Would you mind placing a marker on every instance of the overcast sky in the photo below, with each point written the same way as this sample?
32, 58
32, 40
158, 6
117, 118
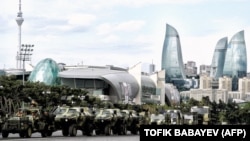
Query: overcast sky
119, 32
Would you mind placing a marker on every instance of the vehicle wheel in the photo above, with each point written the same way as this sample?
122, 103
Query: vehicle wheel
108, 130
72, 130
65, 132
5, 134
21, 134
44, 133
28, 132
134, 131
124, 130
97, 132
89, 131
49, 133
116, 131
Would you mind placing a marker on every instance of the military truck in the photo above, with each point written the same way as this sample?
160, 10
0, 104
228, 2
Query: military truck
72, 119
108, 121
59, 112
144, 118
174, 117
157, 119
201, 114
27, 121
2, 119
133, 120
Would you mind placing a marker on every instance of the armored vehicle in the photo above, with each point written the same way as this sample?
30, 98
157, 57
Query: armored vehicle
25, 122
174, 116
2, 119
201, 114
144, 118
108, 121
59, 113
157, 119
132, 118
76, 118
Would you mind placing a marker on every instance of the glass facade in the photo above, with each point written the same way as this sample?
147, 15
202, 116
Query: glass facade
219, 58
172, 61
45, 71
236, 59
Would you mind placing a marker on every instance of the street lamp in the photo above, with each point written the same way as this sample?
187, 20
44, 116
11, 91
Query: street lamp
25, 55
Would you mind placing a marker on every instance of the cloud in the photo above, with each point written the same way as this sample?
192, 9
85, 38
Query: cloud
141, 3
77, 19
103, 29
112, 31
110, 39
127, 26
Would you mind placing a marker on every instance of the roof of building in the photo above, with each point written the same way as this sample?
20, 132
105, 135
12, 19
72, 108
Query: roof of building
88, 72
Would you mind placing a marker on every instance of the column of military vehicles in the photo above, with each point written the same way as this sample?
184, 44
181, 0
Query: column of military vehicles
101, 121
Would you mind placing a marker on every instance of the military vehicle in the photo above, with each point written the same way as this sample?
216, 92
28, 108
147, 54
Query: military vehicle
189, 119
174, 116
157, 119
144, 118
59, 113
201, 114
108, 121
133, 120
27, 121
72, 119
2, 119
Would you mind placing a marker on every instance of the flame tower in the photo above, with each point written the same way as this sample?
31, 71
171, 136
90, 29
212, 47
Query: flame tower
19, 20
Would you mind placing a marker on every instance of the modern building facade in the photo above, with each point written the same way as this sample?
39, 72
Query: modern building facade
218, 61
236, 59
112, 83
117, 83
172, 61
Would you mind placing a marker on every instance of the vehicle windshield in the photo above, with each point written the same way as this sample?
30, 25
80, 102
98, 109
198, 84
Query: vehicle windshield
156, 117
173, 115
124, 113
72, 111
106, 112
62, 111
200, 110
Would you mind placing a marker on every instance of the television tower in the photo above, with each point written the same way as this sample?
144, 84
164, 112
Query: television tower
19, 20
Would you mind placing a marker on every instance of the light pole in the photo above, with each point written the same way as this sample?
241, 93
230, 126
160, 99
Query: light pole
25, 55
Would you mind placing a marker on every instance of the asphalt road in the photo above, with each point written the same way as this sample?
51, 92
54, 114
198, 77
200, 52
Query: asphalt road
57, 136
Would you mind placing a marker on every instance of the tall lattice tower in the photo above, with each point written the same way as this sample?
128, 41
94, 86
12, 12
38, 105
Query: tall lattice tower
19, 20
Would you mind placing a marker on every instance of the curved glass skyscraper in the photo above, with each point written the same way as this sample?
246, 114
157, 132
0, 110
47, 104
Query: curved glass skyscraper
219, 58
236, 59
172, 61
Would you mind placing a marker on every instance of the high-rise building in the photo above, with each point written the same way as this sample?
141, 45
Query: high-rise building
205, 82
225, 83
235, 65
244, 85
151, 68
190, 69
217, 64
172, 61
205, 69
